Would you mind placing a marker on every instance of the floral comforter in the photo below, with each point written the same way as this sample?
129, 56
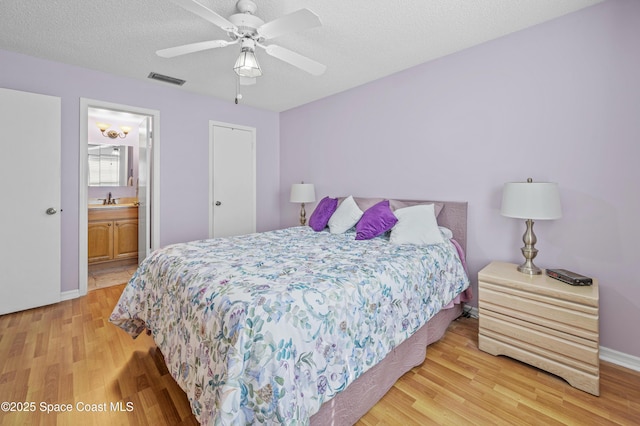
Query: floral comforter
264, 328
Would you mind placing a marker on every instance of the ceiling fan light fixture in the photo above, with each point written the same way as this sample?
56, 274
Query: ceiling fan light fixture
247, 64
250, 31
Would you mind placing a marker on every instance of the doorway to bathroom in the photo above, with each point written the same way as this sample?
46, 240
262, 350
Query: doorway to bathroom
119, 176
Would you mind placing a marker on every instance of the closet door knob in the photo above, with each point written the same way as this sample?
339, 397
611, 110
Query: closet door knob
51, 211
218, 203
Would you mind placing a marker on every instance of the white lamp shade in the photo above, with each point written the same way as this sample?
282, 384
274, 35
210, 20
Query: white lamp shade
302, 193
531, 200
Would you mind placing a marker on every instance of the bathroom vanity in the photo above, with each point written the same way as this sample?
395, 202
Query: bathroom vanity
113, 235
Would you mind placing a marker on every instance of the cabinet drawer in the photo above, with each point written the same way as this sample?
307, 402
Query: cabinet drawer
587, 379
562, 315
556, 345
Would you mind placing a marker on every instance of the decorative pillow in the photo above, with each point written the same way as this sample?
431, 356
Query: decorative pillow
363, 203
377, 220
321, 215
398, 204
447, 234
346, 215
416, 225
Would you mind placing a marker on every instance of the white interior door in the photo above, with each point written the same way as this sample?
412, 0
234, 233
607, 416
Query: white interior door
30, 179
233, 181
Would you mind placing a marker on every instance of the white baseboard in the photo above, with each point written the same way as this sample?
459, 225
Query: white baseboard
619, 358
68, 295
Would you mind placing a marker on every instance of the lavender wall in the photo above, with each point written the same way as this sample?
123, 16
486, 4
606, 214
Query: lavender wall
184, 140
556, 102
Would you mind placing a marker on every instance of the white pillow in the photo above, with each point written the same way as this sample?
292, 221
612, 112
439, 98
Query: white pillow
416, 225
447, 234
346, 215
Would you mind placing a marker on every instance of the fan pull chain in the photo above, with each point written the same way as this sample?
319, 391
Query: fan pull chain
238, 94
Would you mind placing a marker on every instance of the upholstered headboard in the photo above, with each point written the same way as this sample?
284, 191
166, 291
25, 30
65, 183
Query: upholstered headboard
453, 214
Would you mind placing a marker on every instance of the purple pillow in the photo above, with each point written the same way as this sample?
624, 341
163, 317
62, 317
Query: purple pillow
321, 215
375, 221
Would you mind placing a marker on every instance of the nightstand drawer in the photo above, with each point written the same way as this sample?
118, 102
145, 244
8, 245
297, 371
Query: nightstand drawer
587, 379
552, 313
561, 347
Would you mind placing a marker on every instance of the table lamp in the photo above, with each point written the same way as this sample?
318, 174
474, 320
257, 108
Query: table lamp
302, 193
531, 201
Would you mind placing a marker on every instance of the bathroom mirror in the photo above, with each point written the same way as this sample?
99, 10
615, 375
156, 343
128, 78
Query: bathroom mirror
110, 165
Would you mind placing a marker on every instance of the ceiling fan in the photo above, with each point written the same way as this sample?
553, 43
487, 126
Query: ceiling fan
249, 31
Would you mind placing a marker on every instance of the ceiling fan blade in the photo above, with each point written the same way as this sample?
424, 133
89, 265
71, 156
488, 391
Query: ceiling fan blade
296, 21
206, 13
295, 59
191, 48
247, 81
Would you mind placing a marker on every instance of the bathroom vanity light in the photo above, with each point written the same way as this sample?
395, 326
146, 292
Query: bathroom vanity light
113, 134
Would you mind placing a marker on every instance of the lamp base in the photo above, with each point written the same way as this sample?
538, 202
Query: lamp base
529, 251
529, 268
303, 215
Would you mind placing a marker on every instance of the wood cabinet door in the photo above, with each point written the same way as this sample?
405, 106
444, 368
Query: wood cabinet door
100, 241
125, 239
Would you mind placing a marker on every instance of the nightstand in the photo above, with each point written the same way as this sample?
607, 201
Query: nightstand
541, 321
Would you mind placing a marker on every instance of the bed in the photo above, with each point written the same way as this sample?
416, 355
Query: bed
295, 326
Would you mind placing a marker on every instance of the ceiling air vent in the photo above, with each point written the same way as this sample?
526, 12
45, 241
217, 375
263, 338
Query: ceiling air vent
166, 78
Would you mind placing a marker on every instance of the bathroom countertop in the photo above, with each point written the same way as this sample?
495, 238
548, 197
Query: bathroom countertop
110, 206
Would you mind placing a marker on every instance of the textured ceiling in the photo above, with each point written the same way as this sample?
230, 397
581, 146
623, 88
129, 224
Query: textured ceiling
359, 40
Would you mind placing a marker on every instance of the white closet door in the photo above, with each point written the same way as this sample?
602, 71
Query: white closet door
233, 181
30, 213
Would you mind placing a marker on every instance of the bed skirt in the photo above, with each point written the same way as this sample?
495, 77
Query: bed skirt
359, 397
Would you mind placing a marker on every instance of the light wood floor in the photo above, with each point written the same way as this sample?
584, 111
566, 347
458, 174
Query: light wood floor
69, 353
